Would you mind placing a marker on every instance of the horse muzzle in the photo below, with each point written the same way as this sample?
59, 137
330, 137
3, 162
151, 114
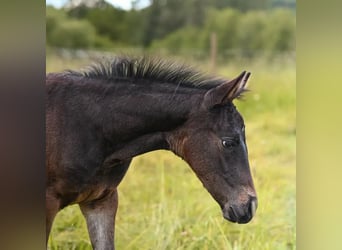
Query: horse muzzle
241, 213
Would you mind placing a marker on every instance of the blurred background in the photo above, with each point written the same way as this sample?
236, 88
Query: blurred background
162, 203
222, 30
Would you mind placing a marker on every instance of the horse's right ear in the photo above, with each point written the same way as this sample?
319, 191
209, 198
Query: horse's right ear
226, 92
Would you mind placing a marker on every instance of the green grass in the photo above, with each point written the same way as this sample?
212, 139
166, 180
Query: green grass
162, 204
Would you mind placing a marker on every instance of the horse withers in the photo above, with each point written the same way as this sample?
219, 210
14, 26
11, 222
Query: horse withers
99, 119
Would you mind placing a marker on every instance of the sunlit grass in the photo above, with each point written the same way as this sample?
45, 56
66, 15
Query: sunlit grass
162, 204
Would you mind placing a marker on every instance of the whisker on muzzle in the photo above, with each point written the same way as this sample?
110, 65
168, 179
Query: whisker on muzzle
253, 207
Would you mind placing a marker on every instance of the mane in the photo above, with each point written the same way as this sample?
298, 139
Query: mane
148, 69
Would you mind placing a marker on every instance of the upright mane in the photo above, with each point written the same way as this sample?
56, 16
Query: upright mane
150, 69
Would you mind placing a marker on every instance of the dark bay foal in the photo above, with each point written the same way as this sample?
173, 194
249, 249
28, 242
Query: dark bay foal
98, 120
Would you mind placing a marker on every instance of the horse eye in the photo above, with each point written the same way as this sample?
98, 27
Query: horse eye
227, 143
230, 142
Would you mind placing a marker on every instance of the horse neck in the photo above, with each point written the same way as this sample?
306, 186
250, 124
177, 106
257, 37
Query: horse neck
136, 117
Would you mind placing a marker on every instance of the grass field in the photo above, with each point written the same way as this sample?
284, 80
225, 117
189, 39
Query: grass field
162, 204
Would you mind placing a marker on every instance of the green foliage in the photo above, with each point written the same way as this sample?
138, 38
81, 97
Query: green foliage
73, 34
248, 5
251, 32
108, 22
62, 31
242, 28
225, 23
53, 18
179, 41
280, 31
247, 34
102, 42
290, 4
163, 18
78, 12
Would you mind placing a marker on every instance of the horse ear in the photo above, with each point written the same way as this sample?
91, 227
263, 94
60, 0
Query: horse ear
227, 91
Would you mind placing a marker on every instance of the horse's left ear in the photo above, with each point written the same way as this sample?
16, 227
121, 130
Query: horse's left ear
226, 92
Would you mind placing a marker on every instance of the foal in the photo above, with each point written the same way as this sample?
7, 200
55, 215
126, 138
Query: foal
98, 120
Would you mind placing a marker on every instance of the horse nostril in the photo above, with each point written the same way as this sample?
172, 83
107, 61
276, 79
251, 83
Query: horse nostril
232, 214
241, 212
253, 206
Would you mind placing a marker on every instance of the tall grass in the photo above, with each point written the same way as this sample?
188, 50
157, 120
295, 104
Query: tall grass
162, 205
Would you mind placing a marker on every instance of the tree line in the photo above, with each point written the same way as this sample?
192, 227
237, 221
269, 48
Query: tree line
178, 26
